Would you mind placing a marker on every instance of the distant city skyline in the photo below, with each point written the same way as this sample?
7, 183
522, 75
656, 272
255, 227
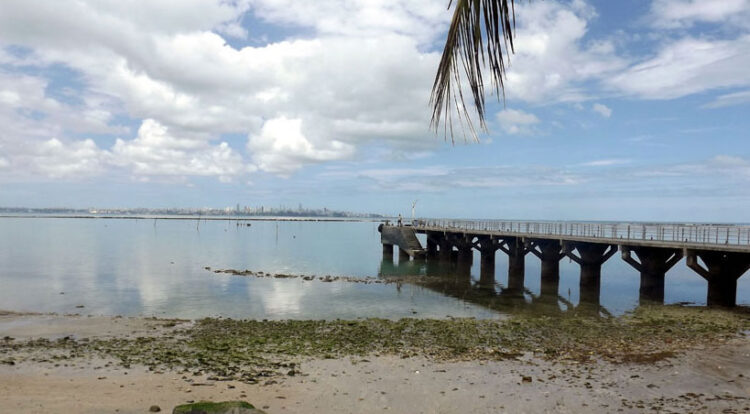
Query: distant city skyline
614, 110
222, 211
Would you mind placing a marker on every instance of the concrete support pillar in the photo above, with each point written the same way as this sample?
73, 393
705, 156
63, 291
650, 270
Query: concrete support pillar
549, 252
590, 257
446, 250
403, 256
432, 248
516, 251
722, 271
487, 247
653, 263
387, 251
465, 246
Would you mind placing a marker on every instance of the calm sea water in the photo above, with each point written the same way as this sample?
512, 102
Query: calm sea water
157, 267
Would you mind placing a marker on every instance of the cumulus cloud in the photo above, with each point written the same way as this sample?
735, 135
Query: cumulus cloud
57, 159
281, 147
363, 76
602, 110
31, 141
156, 152
514, 121
360, 73
552, 60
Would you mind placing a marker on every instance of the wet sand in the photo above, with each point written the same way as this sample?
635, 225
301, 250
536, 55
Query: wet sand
713, 379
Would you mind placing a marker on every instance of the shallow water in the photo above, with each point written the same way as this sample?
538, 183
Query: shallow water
157, 267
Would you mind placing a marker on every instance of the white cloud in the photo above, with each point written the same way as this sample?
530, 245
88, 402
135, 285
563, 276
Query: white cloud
441, 178
423, 20
729, 99
359, 79
514, 121
361, 74
281, 147
685, 13
55, 159
602, 110
605, 162
156, 152
552, 61
728, 167
688, 66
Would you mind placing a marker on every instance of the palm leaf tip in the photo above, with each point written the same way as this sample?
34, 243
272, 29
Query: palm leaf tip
480, 35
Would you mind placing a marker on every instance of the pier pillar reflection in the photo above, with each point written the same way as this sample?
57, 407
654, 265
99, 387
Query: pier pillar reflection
722, 271
653, 264
590, 256
487, 269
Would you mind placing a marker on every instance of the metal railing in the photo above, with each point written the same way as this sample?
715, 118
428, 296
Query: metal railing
704, 234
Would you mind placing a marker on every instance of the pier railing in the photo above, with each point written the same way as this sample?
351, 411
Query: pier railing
703, 234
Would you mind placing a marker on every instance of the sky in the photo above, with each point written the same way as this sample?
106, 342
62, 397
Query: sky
613, 110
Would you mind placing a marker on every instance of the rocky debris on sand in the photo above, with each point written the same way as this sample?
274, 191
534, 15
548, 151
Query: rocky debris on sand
154, 409
326, 278
226, 407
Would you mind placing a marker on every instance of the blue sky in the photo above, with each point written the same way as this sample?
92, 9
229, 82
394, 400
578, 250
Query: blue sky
631, 110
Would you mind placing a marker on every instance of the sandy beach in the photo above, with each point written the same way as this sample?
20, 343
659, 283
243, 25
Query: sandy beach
702, 379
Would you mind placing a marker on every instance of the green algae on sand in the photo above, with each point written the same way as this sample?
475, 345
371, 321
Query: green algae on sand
253, 351
226, 407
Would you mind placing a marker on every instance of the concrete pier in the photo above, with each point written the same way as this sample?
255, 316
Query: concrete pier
718, 253
722, 271
653, 264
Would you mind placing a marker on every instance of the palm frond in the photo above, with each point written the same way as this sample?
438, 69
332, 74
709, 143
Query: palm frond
474, 24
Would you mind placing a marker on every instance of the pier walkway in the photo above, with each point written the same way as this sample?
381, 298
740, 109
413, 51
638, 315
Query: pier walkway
719, 253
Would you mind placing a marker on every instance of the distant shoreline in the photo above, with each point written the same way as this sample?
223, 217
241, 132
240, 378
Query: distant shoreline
206, 218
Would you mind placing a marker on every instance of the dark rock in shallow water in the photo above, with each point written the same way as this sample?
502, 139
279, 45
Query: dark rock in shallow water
227, 407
